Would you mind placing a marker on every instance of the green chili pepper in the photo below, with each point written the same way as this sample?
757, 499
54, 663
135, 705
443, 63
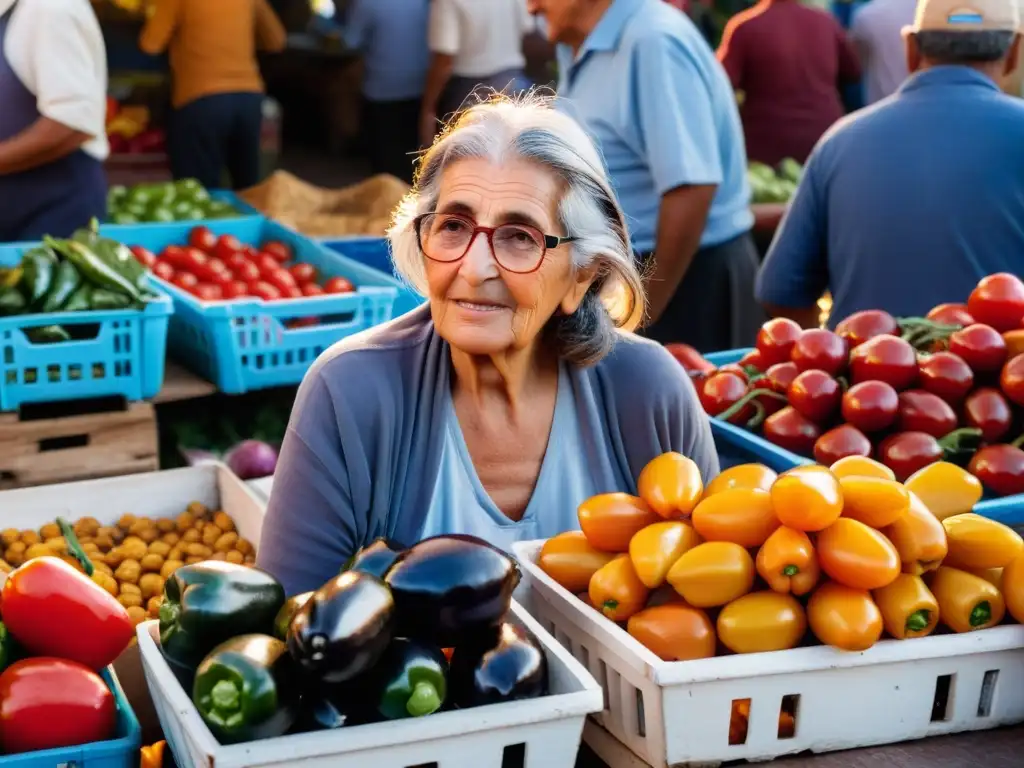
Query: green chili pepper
93, 268
12, 302
38, 266
104, 299
66, 281
47, 334
9, 650
80, 300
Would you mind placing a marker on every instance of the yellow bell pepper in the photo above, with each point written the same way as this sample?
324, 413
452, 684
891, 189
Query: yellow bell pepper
966, 602
874, 501
713, 574
787, 562
124, 126
616, 590
919, 538
671, 485
993, 576
945, 489
844, 618
10, 277
908, 607
861, 466
1013, 587
762, 622
977, 542
655, 549
153, 755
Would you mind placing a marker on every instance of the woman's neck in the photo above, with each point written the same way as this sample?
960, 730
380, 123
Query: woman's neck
512, 376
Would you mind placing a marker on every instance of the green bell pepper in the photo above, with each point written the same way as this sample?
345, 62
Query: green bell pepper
102, 298
66, 281
38, 266
411, 680
12, 301
80, 300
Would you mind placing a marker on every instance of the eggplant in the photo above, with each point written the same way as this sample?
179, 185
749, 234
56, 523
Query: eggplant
344, 628
411, 680
513, 667
376, 558
450, 589
284, 616
319, 713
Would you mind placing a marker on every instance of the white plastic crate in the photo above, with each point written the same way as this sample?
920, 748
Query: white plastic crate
547, 729
678, 713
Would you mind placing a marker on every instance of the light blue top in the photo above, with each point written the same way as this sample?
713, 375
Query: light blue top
462, 505
392, 37
908, 203
659, 105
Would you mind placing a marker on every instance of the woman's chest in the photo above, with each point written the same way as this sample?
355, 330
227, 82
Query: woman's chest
508, 464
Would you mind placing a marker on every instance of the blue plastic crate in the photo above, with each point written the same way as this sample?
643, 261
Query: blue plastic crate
122, 751
737, 445
125, 357
375, 252
243, 345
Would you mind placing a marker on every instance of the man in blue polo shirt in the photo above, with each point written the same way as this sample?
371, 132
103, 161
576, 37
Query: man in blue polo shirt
908, 203
647, 87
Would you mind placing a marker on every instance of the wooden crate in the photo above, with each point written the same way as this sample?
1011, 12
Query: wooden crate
77, 447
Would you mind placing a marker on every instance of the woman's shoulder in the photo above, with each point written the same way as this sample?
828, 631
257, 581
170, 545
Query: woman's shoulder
643, 370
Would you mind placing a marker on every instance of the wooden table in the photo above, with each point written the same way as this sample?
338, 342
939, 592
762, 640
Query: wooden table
181, 384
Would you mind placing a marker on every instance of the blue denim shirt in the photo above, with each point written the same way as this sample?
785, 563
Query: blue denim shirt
392, 37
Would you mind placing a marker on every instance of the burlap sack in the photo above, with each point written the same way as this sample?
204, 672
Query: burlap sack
361, 209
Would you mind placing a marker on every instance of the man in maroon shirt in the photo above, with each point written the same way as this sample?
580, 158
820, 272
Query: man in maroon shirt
789, 62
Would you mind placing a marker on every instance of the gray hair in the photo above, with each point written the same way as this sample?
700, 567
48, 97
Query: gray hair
981, 47
530, 128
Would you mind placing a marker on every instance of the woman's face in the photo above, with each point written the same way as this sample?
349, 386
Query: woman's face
477, 306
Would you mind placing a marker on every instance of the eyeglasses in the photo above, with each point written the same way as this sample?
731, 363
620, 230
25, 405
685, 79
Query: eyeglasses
520, 248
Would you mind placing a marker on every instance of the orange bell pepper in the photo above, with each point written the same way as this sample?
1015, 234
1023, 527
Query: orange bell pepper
616, 590
1014, 343
743, 516
655, 549
844, 618
873, 500
742, 476
674, 632
671, 485
908, 607
569, 559
712, 574
610, 520
919, 538
1013, 587
945, 489
807, 498
153, 755
762, 622
857, 555
787, 562
861, 466
993, 576
966, 602
977, 542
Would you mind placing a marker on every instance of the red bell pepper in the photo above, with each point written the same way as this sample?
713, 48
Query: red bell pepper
54, 610
46, 703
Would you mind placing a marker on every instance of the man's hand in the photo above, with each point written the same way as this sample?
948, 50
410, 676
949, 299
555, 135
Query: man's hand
42, 142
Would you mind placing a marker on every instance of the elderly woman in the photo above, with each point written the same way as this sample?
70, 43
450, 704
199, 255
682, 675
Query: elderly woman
515, 394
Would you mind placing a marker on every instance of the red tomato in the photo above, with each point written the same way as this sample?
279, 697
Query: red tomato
303, 322
685, 355
870, 406
172, 254
163, 270
951, 314
267, 264
143, 256
885, 358
998, 300
339, 285
821, 349
202, 238
1000, 468
776, 339
185, 280
236, 260
1011, 380
721, 391
235, 289
303, 273
207, 292
815, 395
225, 246
845, 440
280, 251
788, 429
906, 452
193, 260
780, 376
734, 368
282, 280
922, 411
980, 346
986, 409
311, 289
247, 272
265, 291
861, 326
753, 359
946, 375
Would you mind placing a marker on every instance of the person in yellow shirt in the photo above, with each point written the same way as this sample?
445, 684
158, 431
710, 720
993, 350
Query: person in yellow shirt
216, 88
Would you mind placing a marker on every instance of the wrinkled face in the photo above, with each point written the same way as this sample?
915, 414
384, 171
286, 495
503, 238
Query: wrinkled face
561, 18
478, 306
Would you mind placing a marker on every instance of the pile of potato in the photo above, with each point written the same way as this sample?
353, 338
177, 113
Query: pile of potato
133, 557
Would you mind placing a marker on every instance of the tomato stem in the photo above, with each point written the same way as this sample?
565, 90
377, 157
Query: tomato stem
790, 570
981, 614
965, 439
759, 414
742, 403
75, 546
918, 620
610, 605
1018, 443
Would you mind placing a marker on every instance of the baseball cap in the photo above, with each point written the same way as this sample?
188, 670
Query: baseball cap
969, 16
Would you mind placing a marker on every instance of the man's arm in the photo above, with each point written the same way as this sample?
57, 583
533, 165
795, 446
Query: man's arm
443, 37
270, 33
42, 142
681, 217
159, 29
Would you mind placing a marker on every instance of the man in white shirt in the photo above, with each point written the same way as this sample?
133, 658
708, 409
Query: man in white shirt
473, 44
876, 31
53, 90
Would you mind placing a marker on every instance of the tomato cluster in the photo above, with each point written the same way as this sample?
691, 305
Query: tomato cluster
214, 268
909, 391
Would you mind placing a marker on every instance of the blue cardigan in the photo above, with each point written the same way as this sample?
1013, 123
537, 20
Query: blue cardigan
363, 448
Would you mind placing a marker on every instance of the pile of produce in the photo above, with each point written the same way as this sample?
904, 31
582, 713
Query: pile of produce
59, 630
133, 558
771, 185
758, 562
85, 272
908, 391
214, 268
183, 200
396, 634
129, 130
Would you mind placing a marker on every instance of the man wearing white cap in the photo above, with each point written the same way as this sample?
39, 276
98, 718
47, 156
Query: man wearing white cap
908, 203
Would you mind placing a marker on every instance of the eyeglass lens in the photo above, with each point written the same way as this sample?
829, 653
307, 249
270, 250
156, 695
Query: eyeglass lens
445, 237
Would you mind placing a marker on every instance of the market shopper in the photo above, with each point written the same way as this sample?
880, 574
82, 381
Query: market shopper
787, 63
877, 32
648, 89
907, 204
514, 394
216, 87
476, 46
53, 95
